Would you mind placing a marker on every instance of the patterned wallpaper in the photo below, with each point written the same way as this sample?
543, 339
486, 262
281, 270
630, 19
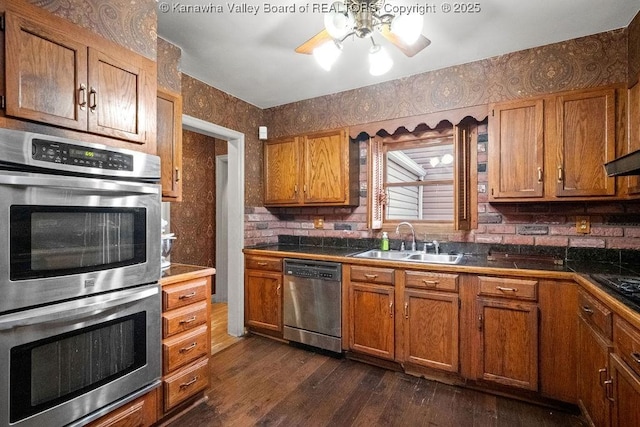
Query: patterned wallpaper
194, 218
210, 104
590, 61
634, 49
129, 23
169, 75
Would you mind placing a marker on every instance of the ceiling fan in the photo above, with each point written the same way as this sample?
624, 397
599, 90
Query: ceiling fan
364, 18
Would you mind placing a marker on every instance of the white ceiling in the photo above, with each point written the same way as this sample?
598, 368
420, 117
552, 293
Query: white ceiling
251, 56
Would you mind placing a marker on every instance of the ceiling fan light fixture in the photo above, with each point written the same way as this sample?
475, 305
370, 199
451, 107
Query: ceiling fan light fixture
379, 60
327, 54
407, 27
338, 22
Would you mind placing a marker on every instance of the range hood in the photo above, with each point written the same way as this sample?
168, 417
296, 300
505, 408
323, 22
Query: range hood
626, 165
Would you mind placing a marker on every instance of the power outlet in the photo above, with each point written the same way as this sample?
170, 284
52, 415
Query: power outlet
583, 225
318, 223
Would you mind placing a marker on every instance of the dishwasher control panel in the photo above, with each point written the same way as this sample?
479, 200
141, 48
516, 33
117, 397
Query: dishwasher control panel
330, 271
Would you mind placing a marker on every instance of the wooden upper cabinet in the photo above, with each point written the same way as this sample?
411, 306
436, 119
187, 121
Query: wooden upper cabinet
319, 169
63, 75
282, 172
116, 89
170, 144
46, 74
516, 153
585, 141
326, 159
553, 147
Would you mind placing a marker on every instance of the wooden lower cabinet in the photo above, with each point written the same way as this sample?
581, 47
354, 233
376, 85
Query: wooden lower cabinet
624, 393
371, 323
431, 326
593, 356
140, 412
508, 342
186, 340
263, 300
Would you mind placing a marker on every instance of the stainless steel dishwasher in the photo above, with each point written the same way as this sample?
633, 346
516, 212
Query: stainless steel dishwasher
313, 303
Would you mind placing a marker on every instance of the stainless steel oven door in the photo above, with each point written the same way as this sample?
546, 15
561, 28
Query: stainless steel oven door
62, 362
71, 236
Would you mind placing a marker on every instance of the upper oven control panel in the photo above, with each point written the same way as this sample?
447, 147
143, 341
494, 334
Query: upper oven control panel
68, 154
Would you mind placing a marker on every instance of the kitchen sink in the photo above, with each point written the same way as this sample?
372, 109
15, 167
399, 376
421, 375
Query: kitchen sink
378, 254
436, 258
410, 256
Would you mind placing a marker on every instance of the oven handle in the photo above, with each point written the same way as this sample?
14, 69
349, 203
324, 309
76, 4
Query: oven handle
67, 183
72, 311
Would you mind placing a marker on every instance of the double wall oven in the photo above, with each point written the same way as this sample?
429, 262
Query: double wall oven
79, 269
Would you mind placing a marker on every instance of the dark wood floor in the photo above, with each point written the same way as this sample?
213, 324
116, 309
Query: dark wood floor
265, 383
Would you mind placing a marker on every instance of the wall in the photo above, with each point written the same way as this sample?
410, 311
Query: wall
590, 61
634, 49
132, 24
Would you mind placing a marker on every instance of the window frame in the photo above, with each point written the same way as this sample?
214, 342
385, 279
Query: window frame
464, 178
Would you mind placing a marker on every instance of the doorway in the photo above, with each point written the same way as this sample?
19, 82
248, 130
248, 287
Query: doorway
231, 269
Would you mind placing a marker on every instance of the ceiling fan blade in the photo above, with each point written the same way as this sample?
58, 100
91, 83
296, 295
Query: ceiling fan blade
409, 50
315, 41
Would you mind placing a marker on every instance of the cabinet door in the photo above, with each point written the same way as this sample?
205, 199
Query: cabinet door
371, 319
169, 144
282, 172
117, 95
593, 354
431, 329
509, 342
625, 394
516, 150
263, 300
326, 171
586, 140
46, 74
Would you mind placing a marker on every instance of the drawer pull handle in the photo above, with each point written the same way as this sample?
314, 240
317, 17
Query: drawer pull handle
189, 320
602, 371
262, 264
608, 389
187, 296
636, 357
188, 383
430, 282
370, 276
503, 289
188, 348
587, 309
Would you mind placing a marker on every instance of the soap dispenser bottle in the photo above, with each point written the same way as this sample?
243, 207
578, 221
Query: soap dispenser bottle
384, 243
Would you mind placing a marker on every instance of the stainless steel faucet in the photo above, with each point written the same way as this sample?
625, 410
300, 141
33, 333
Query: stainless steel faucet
413, 235
435, 244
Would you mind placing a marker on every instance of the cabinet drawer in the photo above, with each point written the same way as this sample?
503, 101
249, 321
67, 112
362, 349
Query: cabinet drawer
372, 275
184, 318
509, 288
595, 313
184, 348
626, 339
263, 263
426, 280
184, 293
185, 383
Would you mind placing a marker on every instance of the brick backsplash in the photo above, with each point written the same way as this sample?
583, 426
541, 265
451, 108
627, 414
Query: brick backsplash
614, 225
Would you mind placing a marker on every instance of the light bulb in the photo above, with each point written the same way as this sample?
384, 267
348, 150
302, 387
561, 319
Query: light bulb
434, 162
327, 54
337, 22
379, 61
407, 27
447, 159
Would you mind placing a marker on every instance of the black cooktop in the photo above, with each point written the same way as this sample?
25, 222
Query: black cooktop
627, 286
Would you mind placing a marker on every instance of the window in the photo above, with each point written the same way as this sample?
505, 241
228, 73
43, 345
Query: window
422, 177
